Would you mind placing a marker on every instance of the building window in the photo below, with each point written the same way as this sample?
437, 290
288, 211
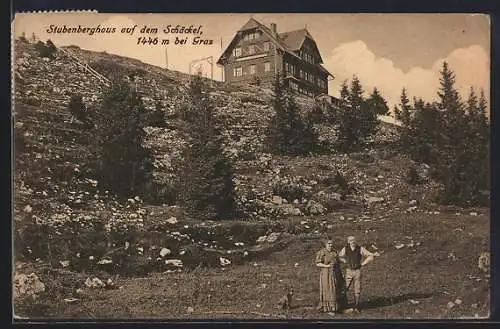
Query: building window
252, 69
251, 36
267, 46
237, 52
267, 66
238, 72
251, 49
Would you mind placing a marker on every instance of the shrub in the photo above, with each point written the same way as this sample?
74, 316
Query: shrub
78, 110
412, 176
290, 192
46, 49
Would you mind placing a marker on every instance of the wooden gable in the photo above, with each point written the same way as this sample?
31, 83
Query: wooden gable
309, 44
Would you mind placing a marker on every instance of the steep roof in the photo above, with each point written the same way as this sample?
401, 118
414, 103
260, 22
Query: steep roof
294, 39
288, 42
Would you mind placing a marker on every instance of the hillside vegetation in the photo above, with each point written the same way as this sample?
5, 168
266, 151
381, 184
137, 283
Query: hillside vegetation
98, 254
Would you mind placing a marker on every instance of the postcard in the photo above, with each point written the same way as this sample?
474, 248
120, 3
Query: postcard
250, 166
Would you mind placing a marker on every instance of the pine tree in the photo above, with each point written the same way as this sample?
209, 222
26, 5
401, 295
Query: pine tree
371, 108
423, 132
482, 117
287, 133
404, 115
347, 137
206, 187
459, 163
377, 103
124, 165
476, 150
358, 117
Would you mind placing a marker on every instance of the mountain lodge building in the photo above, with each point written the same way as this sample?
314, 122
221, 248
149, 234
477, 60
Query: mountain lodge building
258, 52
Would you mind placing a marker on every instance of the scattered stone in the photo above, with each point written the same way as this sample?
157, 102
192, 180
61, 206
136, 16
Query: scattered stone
224, 261
414, 302
27, 285
273, 237
413, 202
277, 200
174, 262
105, 261
473, 213
373, 200
315, 208
28, 209
190, 309
64, 263
94, 283
399, 246
164, 252
262, 239
172, 220
458, 301
411, 209
450, 305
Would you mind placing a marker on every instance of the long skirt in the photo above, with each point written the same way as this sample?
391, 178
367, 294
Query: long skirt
327, 290
340, 287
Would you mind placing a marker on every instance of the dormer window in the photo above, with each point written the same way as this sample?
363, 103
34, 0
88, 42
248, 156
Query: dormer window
267, 46
251, 49
237, 52
251, 36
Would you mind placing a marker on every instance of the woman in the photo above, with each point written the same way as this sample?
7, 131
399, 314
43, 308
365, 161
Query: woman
326, 259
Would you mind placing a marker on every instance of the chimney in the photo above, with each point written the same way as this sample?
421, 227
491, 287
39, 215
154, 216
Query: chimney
274, 29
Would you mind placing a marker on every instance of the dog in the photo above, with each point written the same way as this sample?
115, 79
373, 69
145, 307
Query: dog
484, 261
285, 302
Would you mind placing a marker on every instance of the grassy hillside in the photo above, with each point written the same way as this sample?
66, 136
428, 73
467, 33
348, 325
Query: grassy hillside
68, 231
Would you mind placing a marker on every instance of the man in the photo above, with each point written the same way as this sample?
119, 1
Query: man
352, 255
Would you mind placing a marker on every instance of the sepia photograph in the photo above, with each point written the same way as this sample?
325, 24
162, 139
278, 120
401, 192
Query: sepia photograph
270, 166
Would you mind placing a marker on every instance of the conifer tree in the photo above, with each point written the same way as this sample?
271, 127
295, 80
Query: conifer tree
460, 165
358, 116
404, 115
377, 103
124, 165
287, 133
206, 187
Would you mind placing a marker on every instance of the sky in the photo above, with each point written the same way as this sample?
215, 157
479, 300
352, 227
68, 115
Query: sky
387, 51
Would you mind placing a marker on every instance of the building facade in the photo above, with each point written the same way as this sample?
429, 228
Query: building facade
258, 52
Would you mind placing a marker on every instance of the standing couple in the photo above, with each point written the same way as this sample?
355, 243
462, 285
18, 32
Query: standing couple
333, 288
